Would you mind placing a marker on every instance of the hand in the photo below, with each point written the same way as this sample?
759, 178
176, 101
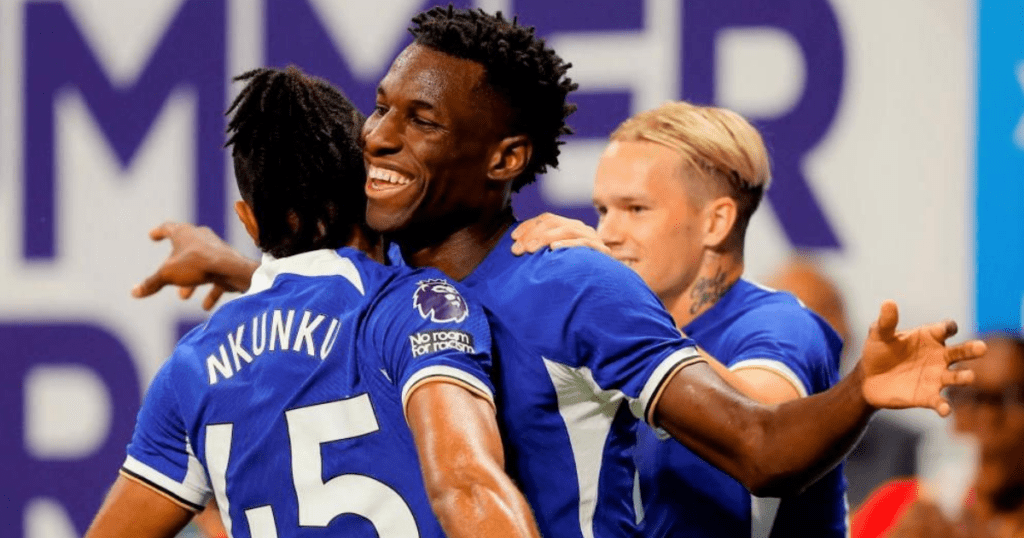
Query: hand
923, 519
197, 257
550, 230
910, 368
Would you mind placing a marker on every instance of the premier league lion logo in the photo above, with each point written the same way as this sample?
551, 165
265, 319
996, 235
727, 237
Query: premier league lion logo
439, 300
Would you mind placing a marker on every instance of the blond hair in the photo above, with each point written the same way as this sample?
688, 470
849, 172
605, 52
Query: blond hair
719, 142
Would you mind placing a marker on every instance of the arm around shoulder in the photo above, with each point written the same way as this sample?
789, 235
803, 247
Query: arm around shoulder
461, 455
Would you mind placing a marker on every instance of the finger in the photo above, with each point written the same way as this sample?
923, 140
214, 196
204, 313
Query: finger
957, 377
581, 242
967, 350
186, 291
527, 225
163, 231
941, 406
149, 286
888, 318
212, 297
943, 330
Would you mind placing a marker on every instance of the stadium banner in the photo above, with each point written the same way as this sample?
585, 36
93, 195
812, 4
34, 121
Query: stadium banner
111, 121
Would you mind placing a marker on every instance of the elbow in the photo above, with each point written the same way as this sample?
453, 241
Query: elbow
764, 473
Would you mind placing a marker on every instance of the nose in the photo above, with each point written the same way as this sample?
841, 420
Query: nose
381, 135
609, 228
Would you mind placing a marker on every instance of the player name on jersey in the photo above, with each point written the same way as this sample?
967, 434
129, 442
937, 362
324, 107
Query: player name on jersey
284, 334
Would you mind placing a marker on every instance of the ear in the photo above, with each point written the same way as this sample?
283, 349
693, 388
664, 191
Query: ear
510, 158
719, 218
248, 219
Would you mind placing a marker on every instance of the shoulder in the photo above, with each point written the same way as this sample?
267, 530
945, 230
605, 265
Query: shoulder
579, 270
768, 311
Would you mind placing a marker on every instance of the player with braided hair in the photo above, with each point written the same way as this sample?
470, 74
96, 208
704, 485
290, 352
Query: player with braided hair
583, 347
307, 407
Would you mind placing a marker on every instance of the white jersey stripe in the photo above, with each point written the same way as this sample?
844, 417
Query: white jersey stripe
588, 412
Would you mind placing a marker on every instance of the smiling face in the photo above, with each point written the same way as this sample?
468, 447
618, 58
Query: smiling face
648, 218
429, 142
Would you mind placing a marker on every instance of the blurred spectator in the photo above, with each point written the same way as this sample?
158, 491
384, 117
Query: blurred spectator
990, 504
887, 449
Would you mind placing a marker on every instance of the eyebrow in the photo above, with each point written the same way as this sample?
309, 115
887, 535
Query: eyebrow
625, 200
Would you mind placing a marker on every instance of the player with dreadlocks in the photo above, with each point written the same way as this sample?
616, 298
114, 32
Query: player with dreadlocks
306, 407
468, 112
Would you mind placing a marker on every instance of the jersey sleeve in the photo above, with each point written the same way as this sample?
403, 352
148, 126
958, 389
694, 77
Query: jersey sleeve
160, 454
795, 345
425, 331
605, 323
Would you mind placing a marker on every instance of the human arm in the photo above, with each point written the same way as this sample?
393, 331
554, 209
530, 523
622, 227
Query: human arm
460, 453
197, 257
134, 510
764, 386
779, 450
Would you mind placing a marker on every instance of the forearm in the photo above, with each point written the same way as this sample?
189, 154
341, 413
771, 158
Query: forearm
483, 506
462, 460
772, 450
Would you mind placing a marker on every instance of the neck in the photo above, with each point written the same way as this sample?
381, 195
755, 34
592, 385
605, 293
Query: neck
459, 252
369, 242
717, 274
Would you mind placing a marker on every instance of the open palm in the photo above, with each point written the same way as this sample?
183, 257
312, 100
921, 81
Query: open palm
910, 368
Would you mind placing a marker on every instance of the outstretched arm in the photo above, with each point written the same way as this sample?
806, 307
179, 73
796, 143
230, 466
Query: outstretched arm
133, 510
461, 455
779, 450
197, 257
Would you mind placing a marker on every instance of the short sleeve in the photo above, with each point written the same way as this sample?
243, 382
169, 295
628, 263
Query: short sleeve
425, 330
795, 345
601, 320
160, 454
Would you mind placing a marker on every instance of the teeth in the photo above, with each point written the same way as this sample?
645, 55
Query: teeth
383, 174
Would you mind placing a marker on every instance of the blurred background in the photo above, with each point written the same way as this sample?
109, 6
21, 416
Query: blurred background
895, 130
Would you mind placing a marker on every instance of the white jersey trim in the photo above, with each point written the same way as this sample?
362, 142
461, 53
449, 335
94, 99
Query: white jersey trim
460, 376
194, 489
587, 411
641, 406
776, 367
323, 262
763, 511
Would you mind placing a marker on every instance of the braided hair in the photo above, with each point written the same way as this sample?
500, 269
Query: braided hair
519, 67
297, 160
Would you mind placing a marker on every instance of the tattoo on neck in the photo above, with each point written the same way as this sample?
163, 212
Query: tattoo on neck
707, 291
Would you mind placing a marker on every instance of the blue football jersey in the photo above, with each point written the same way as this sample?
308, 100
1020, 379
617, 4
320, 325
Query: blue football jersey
582, 349
287, 405
683, 496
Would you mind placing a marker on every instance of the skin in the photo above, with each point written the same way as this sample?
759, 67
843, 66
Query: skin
771, 450
997, 426
660, 217
455, 432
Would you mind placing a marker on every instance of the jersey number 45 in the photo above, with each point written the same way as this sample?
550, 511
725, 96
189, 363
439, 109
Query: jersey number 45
319, 502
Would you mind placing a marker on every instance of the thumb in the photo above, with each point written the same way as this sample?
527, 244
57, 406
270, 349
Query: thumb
888, 318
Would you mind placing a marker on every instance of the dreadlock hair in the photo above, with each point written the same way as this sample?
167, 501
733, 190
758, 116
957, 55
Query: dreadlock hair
294, 141
526, 73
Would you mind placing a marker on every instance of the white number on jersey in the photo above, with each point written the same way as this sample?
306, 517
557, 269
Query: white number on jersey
319, 502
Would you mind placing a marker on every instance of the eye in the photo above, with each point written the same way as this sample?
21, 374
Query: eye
601, 210
379, 109
636, 209
423, 122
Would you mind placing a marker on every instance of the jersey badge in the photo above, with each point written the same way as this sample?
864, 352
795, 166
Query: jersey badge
439, 301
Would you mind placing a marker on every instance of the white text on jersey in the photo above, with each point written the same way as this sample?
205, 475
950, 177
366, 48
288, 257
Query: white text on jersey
284, 335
